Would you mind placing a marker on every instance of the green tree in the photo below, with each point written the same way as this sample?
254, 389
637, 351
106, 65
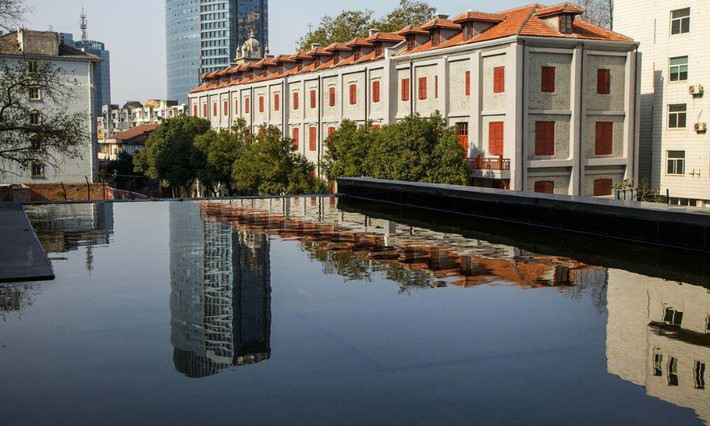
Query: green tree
416, 149
122, 170
268, 166
170, 152
221, 149
409, 12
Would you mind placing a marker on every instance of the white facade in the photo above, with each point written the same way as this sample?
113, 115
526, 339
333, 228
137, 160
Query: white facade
114, 120
673, 36
570, 167
79, 70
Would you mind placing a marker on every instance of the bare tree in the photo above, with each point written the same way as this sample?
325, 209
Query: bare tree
12, 14
597, 12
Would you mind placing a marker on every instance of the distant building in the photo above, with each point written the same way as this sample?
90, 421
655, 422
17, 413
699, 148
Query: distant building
201, 36
131, 142
114, 119
675, 111
103, 69
75, 66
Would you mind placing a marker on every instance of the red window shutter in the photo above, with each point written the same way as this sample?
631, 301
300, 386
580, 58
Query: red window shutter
405, 89
204, 110
545, 186
277, 102
194, 110
246, 106
436, 87
604, 138
236, 107
214, 109
294, 136
312, 138
547, 80
331, 130
375, 91
603, 81
331, 96
226, 108
495, 138
353, 94
462, 133
295, 100
422, 88
313, 99
602, 187
498, 79
544, 138
261, 104
468, 83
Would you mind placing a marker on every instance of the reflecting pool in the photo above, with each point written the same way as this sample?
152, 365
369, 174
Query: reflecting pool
293, 311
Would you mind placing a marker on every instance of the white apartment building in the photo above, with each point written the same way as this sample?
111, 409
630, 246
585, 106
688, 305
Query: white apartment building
115, 119
79, 69
675, 145
541, 100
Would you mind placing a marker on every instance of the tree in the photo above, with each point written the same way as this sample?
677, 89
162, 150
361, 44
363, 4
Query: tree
268, 166
221, 149
29, 134
416, 149
170, 152
598, 12
122, 170
356, 23
12, 14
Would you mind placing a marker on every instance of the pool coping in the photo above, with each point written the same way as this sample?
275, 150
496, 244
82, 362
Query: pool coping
22, 257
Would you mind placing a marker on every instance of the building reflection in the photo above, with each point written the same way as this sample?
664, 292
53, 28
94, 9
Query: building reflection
220, 299
658, 336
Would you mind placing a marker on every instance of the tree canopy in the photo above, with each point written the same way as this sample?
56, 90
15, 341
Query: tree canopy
356, 23
416, 149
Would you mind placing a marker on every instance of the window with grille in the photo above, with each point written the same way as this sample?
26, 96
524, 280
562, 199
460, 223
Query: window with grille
680, 21
544, 138
673, 317
673, 372
436, 37
547, 80
677, 115
422, 88
498, 79
676, 163
495, 138
35, 94
603, 81
462, 134
604, 138
545, 186
35, 118
658, 365
405, 89
566, 24
37, 170
679, 68
468, 31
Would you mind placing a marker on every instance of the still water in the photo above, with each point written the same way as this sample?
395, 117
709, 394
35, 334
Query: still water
291, 311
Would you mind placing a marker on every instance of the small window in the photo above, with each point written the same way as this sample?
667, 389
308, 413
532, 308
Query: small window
331, 96
603, 81
247, 105
313, 99
676, 163
673, 317
544, 138
679, 68
194, 110
673, 372
226, 108
312, 138
405, 89
236, 106
604, 138
436, 87
547, 80
436, 37
699, 373
602, 187
495, 138
462, 134
294, 136
204, 110
295, 100
353, 94
33, 66
545, 187
331, 130
375, 91
467, 84
658, 365
411, 42
566, 23
468, 31
214, 109
277, 101
37, 170
35, 118
35, 94
677, 114
261, 104
498, 79
422, 88
680, 21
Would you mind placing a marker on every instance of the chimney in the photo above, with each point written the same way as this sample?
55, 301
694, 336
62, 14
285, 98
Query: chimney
315, 45
441, 16
373, 31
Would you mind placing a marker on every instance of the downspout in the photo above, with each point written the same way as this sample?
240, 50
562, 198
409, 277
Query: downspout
411, 87
637, 115
526, 120
582, 123
251, 108
367, 93
320, 123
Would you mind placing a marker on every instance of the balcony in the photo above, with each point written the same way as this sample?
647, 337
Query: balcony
494, 163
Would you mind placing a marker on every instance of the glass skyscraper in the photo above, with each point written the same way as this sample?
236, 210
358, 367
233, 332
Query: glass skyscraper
203, 35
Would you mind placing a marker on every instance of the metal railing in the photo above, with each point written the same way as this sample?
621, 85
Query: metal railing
493, 163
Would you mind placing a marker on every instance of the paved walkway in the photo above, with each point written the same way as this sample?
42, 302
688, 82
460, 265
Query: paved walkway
22, 257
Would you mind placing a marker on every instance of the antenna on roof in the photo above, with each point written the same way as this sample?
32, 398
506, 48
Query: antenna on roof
84, 25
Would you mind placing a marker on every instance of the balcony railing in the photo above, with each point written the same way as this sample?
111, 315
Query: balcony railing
493, 163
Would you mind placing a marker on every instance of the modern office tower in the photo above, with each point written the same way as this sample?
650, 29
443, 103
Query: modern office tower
103, 68
220, 301
203, 36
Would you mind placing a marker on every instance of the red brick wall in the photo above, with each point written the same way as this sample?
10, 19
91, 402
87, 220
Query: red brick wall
75, 192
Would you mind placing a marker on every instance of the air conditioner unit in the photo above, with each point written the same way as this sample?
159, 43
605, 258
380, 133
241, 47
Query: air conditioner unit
696, 90
701, 127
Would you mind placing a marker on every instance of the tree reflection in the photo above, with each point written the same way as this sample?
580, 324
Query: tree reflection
16, 297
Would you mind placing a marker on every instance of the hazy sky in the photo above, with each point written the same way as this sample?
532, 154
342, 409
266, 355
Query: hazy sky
134, 31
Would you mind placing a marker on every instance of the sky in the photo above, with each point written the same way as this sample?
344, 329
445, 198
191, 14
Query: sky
134, 31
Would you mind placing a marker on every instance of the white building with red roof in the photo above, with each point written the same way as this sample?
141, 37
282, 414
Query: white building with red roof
541, 100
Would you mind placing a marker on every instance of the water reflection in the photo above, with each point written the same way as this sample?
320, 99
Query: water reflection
220, 299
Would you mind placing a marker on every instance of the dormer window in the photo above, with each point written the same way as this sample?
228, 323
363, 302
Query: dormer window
436, 37
411, 42
336, 58
468, 31
566, 23
300, 65
317, 61
379, 49
356, 53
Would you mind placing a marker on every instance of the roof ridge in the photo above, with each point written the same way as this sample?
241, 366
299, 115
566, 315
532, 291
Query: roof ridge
531, 13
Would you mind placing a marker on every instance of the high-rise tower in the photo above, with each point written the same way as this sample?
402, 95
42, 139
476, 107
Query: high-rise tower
203, 35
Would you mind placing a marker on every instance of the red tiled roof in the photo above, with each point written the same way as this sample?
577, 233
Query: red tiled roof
338, 47
319, 51
559, 8
385, 37
441, 23
359, 41
134, 132
412, 29
479, 16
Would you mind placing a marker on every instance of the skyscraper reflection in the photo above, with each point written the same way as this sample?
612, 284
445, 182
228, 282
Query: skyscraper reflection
220, 299
658, 336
